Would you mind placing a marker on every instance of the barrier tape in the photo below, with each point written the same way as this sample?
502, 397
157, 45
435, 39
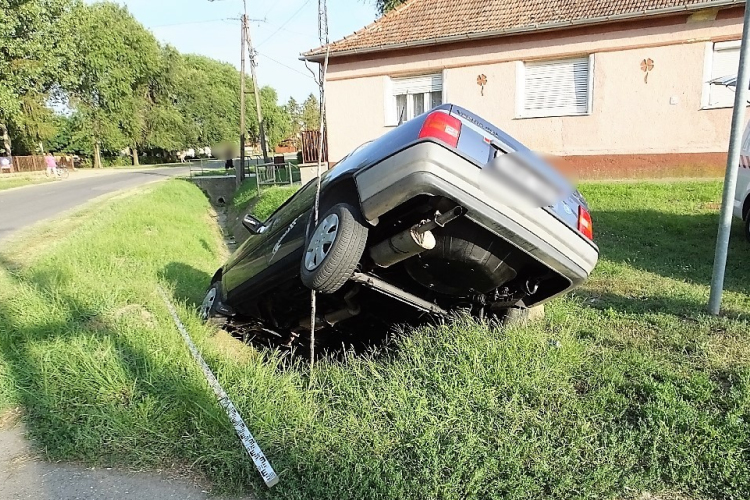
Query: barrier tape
247, 439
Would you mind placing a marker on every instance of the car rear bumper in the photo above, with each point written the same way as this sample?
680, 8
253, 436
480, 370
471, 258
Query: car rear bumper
429, 168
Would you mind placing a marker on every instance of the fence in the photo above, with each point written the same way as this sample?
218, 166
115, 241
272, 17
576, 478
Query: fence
35, 163
310, 146
273, 174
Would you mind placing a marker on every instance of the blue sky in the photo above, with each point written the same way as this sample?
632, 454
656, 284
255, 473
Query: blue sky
290, 27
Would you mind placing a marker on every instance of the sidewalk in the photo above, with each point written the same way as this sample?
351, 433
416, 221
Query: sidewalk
25, 475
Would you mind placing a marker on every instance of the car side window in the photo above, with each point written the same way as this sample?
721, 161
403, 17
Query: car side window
294, 206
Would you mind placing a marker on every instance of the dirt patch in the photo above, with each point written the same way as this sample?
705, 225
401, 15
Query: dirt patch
137, 312
231, 347
9, 418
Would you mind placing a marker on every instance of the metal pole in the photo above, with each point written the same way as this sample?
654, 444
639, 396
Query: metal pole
243, 129
257, 177
261, 126
730, 178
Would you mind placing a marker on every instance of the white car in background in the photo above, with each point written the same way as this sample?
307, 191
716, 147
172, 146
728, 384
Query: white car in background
742, 191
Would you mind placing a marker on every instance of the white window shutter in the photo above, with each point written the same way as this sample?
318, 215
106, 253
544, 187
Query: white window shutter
725, 62
416, 87
557, 88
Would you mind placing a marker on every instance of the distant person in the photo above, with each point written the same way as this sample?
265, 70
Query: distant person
49, 160
229, 164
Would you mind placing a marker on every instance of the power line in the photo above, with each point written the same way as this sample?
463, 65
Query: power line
284, 23
195, 22
286, 66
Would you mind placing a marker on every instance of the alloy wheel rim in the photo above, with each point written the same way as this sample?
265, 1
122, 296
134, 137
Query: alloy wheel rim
208, 303
321, 242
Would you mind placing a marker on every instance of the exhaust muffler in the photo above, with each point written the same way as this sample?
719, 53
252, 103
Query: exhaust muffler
400, 247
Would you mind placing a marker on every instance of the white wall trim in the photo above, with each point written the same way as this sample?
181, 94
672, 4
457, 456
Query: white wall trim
520, 88
708, 58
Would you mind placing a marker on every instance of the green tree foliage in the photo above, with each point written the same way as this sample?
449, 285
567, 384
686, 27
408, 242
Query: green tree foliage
277, 122
311, 113
294, 111
385, 6
116, 60
123, 89
208, 96
35, 45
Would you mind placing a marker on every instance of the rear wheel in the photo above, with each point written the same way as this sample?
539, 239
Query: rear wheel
747, 227
334, 249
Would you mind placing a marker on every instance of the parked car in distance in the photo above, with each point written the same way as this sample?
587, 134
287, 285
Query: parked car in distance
742, 190
444, 213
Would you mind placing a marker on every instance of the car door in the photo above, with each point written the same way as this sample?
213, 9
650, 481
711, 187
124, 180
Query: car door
274, 255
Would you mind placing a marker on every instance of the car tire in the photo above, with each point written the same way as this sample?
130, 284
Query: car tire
208, 310
747, 227
334, 249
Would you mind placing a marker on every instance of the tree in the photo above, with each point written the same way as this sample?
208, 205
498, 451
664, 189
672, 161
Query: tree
387, 5
278, 123
208, 96
159, 124
294, 111
311, 113
34, 46
116, 58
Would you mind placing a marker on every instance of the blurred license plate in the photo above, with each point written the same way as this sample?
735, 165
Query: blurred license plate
508, 175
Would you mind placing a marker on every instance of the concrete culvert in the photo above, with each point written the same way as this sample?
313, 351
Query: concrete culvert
221, 200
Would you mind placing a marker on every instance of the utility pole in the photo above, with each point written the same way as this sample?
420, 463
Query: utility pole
256, 91
730, 178
243, 127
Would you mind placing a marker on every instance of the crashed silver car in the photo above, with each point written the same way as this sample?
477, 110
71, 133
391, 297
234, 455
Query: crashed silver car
444, 213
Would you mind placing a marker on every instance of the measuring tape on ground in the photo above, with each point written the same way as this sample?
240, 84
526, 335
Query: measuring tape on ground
248, 441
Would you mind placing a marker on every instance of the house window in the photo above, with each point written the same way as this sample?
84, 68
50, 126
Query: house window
722, 59
554, 88
410, 97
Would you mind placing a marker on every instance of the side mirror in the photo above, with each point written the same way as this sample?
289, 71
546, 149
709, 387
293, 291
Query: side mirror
252, 224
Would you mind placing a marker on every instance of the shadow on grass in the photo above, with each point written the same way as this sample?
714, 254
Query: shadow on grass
672, 245
189, 284
91, 388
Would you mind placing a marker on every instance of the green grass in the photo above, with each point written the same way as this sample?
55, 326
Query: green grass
270, 199
246, 198
14, 181
626, 386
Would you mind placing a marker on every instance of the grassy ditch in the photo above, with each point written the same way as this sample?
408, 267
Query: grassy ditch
626, 386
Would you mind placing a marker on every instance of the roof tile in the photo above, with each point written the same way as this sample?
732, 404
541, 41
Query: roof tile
432, 21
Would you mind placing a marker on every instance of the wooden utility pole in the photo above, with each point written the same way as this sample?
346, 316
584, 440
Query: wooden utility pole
256, 91
243, 127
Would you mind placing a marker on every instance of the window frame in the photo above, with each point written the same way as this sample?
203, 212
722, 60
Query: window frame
522, 113
391, 107
708, 67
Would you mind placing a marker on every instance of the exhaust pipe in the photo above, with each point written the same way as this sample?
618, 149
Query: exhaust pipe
400, 247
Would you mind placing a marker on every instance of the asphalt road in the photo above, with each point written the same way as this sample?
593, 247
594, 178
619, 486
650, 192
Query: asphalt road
25, 206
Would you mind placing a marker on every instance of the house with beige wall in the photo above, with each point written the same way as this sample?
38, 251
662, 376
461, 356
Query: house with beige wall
616, 85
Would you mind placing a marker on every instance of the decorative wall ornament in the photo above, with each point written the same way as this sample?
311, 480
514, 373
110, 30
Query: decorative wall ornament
482, 81
646, 66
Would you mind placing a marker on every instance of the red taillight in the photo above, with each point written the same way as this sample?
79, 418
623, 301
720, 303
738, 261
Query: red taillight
442, 126
585, 225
